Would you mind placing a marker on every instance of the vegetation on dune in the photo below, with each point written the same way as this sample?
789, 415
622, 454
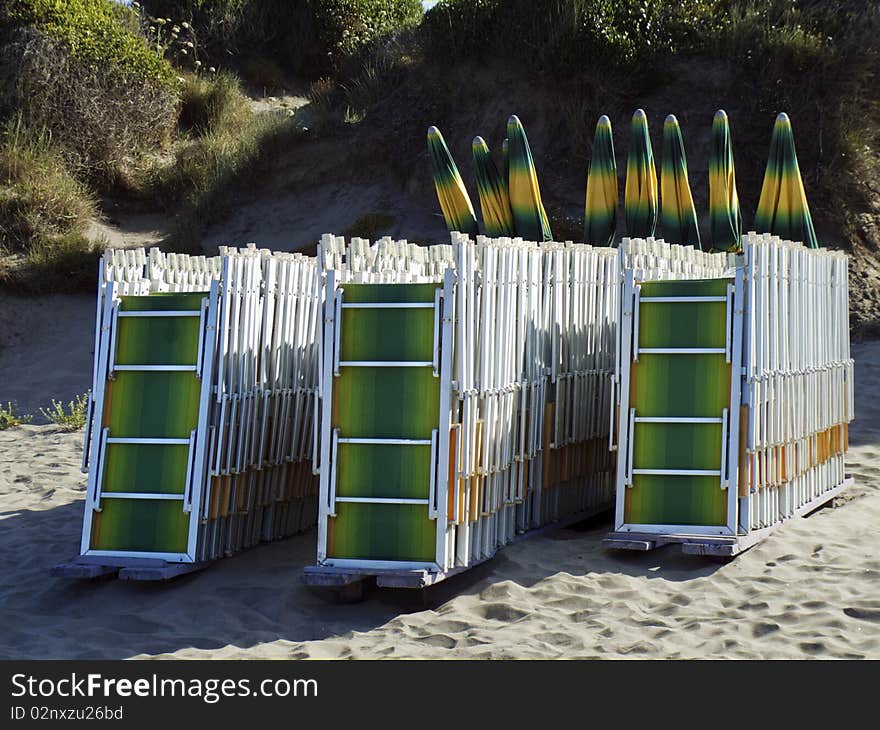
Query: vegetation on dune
129, 101
83, 71
123, 100
95, 32
44, 212
71, 417
39, 199
310, 37
222, 145
9, 418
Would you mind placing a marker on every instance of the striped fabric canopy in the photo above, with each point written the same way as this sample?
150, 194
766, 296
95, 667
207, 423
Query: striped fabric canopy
640, 193
600, 209
529, 216
783, 209
725, 218
505, 162
451, 192
494, 199
678, 217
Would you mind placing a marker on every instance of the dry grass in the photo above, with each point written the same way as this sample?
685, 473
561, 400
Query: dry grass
223, 143
100, 123
44, 211
40, 200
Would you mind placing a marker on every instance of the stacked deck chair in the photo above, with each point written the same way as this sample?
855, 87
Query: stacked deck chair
465, 399
199, 438
734, 392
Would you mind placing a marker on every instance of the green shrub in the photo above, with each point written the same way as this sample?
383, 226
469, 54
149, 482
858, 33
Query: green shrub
564, 36
80, 70
9, 418
69, 418
308, 36
96, 33
210, 102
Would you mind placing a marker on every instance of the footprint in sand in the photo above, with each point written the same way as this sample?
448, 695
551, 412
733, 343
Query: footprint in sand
501, 612
865, 614
441, 641
812, 647
763, 629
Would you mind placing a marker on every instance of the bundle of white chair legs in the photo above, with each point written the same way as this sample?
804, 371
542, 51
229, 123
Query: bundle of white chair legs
653, 258
522, 435
534, 356
201, 420
799, 376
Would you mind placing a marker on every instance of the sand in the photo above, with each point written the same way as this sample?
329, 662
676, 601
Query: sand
810, 590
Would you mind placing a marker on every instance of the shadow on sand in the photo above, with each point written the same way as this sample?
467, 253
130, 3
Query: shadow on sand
254, 597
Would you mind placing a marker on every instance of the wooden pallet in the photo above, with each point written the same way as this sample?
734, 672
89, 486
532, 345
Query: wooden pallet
349, 582
720, 546
89, 567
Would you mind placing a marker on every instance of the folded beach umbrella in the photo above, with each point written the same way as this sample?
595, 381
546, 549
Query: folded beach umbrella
678, 217
505, 163
600, 210
782, 209
725, 218
529, 217
451, 192
494, 199
640, 192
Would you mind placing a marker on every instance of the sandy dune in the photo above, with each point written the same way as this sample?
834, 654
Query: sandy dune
811, 590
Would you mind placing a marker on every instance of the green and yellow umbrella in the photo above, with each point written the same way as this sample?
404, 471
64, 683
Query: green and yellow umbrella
451, 192
725, 218
600, 210
494, 200
678, 217
505, 162
529, 217
782, 209
640, 192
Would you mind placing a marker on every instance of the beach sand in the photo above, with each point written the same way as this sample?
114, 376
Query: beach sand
811, 590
